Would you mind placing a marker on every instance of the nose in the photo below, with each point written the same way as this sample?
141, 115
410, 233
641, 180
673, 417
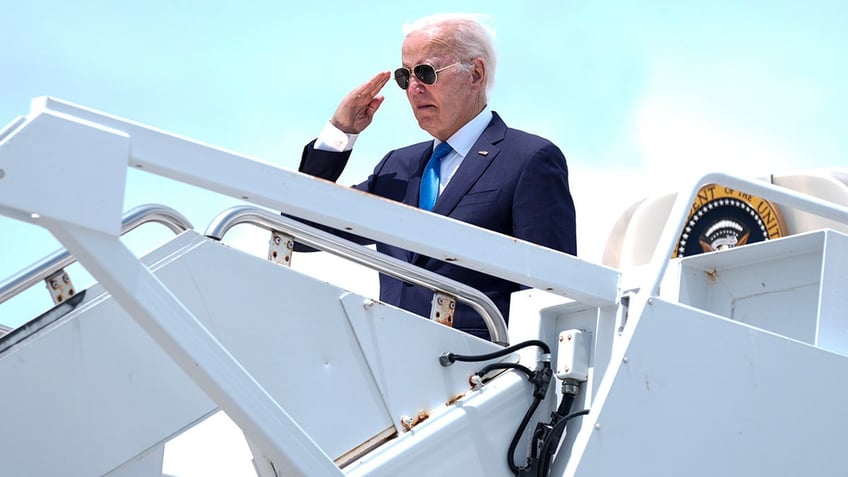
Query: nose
415, 85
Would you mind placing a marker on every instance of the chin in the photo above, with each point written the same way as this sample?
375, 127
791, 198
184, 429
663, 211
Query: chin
426, 126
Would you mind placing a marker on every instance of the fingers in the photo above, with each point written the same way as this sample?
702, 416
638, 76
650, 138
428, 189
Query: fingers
357, 108
375, 104
369, 90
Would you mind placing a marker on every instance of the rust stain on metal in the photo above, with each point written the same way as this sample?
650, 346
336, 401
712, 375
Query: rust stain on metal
364, 448
475, 380
280, 248
712, 275
443, 309
409, 422
453, 400
60, 286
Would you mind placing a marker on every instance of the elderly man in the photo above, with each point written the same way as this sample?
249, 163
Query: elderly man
475, 169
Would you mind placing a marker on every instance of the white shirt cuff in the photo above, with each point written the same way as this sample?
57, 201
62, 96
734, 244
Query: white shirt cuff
333, 139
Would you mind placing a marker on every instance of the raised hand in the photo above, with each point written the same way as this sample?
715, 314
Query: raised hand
357, 109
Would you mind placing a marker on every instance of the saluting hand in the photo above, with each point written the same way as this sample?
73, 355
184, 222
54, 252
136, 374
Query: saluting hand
357, 109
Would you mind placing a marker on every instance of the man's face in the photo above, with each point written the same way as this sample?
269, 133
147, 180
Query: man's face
445, 106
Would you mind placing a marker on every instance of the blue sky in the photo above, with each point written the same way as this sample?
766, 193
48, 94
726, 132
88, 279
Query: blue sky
639, 95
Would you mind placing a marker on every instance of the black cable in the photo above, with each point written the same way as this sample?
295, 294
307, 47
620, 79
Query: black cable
552, 442
512, 445
488, 369
565, 405
449, 358
554, 434
540, 379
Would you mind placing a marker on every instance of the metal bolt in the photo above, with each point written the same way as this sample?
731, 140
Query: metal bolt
598, 426
406, 422
289, 245
441, 301
277, 240
626, 359
569, 337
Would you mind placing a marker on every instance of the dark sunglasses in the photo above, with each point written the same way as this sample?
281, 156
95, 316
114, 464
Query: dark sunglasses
426, 73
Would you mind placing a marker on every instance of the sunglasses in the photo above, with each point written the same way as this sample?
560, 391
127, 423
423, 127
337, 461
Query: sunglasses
426, 73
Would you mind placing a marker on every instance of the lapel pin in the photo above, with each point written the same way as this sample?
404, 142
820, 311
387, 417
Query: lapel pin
483, 153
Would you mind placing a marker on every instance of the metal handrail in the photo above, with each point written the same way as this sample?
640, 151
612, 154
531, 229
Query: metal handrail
680, 213
60, 259
365, 256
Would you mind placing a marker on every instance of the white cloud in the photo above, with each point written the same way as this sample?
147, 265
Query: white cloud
678, 142
213, 448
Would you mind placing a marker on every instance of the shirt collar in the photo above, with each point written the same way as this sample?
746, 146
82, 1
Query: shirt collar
463, 140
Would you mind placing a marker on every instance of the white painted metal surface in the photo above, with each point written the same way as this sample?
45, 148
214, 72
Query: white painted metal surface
692, 366
278, 189
694, 394
59, 152
324, 359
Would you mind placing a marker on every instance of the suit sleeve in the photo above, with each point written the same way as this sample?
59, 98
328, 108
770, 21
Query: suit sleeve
543, 209
324, 164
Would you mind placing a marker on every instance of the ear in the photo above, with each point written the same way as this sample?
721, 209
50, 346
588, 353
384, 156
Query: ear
478, 74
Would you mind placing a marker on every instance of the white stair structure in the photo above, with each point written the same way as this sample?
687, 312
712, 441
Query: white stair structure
700, 365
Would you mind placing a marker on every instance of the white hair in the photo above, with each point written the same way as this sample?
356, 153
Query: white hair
465, 35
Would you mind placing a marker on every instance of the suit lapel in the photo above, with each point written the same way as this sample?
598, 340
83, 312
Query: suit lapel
413, 188
472, 167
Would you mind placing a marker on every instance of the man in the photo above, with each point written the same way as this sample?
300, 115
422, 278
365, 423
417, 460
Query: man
493, 176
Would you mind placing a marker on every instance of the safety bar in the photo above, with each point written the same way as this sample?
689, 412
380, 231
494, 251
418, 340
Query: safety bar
365, 256
680, 213
60, 259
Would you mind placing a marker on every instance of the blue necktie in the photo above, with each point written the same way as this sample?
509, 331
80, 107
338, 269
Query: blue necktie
430, 178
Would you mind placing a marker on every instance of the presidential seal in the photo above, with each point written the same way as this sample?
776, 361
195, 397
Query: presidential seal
723, 218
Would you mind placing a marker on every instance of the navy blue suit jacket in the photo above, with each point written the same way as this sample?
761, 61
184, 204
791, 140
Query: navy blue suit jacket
510, 182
